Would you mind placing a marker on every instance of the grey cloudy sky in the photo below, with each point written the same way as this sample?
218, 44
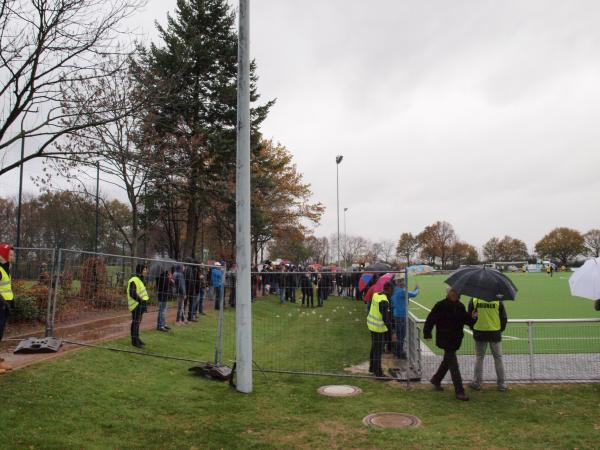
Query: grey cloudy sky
481, 113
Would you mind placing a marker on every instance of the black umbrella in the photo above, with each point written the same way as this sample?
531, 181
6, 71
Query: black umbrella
378, 267
484, 283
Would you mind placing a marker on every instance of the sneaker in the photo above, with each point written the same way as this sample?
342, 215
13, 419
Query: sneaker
502, 387
163, 329
475, 386
462, 396
167, 327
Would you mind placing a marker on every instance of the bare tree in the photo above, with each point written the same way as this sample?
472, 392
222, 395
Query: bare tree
50, 47
592, 242
113, 145
354, 250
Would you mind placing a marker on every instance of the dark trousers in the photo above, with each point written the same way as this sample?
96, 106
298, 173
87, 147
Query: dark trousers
307, 294
377, 344
136, 319
4, 313
320, 296
449, 363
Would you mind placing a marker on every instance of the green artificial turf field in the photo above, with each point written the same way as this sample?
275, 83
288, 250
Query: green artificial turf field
540, 297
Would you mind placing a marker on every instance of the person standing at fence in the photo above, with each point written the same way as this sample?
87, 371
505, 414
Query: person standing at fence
399, 311
163, 288
137, 299
307, 290
180, 293
491, 322
7, 256
216, 281
192, 288
449, 316
379, 323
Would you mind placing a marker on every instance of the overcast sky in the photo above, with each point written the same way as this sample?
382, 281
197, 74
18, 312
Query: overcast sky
485, 114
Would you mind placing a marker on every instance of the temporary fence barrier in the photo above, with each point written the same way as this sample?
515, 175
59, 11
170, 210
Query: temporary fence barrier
305, 322
31, 275
89, 299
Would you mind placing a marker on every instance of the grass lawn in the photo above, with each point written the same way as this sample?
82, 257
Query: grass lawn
100, 399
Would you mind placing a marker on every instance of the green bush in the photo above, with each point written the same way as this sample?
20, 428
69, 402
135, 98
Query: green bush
26, 309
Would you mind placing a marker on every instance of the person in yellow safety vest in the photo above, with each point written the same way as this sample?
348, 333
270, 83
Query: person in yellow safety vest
379, 321
7, 255
491, 322
137, 299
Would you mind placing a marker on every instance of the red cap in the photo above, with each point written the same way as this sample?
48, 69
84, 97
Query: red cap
5, 251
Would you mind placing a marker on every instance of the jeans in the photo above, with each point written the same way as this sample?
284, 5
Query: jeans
400, 328
193, 306
496, 348
218, 291
161, 320
449, 363
281, 296
201, 301
180, 308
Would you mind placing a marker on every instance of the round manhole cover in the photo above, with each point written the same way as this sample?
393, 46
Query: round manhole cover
392, 420
339, 390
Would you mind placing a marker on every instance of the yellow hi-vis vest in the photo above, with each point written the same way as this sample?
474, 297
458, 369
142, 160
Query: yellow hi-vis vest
140, 289
489, 315
375, 321
5, 287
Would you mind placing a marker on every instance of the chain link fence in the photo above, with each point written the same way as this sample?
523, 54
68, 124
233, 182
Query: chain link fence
304, 322
32, 285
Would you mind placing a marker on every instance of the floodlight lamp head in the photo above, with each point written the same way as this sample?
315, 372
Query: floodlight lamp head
338, 159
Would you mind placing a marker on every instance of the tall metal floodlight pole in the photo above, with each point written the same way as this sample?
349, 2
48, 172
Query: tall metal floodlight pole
345, 239
338, 160
243, 310
18, 241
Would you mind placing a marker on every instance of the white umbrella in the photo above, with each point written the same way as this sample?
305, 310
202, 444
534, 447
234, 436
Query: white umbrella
585, 281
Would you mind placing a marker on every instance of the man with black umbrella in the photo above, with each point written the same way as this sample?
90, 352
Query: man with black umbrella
488, 328
449, 316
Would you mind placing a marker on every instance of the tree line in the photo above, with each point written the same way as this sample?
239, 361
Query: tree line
437, 245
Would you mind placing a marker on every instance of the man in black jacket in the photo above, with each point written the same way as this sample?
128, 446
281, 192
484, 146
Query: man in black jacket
449, 316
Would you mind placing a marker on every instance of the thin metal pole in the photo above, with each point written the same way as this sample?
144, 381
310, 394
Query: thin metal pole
56, 289
219, 343
345, 242
51, 289
97, 205
243, 310
530, 342
337, 179
406, 323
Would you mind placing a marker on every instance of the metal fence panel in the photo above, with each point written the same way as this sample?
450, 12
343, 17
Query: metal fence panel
31, 280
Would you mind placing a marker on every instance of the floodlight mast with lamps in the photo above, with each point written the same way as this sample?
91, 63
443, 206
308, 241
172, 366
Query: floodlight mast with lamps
338, 160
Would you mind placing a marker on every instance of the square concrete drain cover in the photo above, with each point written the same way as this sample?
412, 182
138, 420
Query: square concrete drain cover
392, 420
339, 390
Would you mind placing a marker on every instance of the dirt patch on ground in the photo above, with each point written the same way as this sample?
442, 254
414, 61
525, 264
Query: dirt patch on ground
89, 330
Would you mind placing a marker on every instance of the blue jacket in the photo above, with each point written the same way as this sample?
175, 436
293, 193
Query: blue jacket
398, 304
216, 277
